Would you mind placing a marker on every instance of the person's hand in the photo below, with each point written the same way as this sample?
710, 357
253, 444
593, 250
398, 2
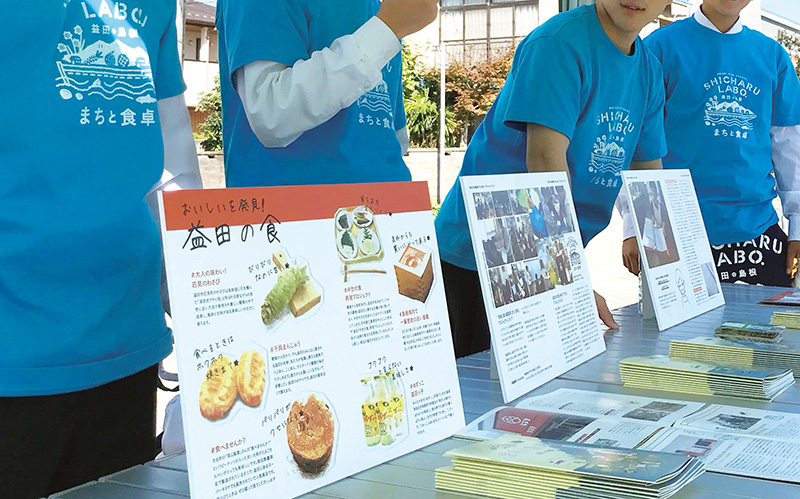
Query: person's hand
408, 16
604, 312
630, 255
792, 252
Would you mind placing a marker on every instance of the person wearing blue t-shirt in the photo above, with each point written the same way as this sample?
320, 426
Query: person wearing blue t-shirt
98, 116
312, 90
731, 117
582, 89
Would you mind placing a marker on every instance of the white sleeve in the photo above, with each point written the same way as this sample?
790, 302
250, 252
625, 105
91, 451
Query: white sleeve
181, 170
786, 165
402, 137
624, 207
281, 102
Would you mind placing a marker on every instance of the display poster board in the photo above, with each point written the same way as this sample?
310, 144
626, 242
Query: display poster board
534, 277
677, 265
311, 333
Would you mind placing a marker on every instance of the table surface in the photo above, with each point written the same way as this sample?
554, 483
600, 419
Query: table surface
412, 475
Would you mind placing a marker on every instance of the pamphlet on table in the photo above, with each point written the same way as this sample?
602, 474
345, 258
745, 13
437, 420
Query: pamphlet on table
785, 319
747, 354
520, 467
311, 333
787, 298
677, 265
584, 417
738, 441
734, 440
534, 276
660, 372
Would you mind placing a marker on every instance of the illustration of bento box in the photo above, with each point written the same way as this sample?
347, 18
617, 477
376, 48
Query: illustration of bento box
357, 238
414, 273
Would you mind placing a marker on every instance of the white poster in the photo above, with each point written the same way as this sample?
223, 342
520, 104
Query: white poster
311, 333
533, 272
675, 256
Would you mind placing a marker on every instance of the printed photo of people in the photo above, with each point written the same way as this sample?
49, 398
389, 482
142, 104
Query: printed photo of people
519, 201
652, 217
556, 211
502, 203
522, 242
539, 276
484, 206
535, 214
560, 257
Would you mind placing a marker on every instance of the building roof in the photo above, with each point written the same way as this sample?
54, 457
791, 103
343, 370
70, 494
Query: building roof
787, 9
200, 14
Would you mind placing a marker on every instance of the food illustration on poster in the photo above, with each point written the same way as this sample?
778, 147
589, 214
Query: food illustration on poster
293, 289
326, 368
311, 435
357, 238
226, 379
414, 273
383, 409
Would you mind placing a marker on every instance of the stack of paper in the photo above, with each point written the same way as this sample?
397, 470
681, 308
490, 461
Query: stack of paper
659, 372
788, 319
525, 467
789, 298
747, 354
750, 331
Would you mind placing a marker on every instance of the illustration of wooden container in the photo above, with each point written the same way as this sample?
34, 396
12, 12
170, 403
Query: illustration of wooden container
414, 273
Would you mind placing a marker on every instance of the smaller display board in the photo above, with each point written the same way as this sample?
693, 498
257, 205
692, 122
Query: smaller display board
677, 264
534, 276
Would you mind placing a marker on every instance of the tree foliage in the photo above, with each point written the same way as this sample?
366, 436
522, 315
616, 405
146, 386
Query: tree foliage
211, 102
475, 86
792, 43
470, 88
421, 96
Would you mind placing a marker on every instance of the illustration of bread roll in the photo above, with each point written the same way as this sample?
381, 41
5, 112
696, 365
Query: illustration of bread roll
250, 377
218, 391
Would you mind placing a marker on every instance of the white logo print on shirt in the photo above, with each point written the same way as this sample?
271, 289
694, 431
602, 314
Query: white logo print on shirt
101, 54
724, 110
375, 106
608, 152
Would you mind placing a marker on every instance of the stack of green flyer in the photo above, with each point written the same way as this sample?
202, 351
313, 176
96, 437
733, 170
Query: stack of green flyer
750, 331
517, 467
747, 354
788, 319
659, 372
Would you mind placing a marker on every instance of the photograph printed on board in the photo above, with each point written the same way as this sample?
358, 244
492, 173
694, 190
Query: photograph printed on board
655, 227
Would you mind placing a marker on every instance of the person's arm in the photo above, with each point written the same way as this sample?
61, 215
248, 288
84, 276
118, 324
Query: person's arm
181, 170
786, 165
546, 151
282, 102
646, 165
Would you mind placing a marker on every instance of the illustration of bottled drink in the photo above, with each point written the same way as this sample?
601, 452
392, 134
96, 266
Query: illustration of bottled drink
369, 412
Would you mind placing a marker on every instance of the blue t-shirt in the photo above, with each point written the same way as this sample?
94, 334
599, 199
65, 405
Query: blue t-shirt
567, 75
723, 93
81, 147
359, 144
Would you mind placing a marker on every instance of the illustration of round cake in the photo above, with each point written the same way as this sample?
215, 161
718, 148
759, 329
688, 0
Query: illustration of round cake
310, 432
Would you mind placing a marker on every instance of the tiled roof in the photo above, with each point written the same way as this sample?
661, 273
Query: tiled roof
199, 13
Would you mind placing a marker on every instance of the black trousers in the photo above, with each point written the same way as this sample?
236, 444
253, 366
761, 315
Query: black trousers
759, 261
465, 308
55, 442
